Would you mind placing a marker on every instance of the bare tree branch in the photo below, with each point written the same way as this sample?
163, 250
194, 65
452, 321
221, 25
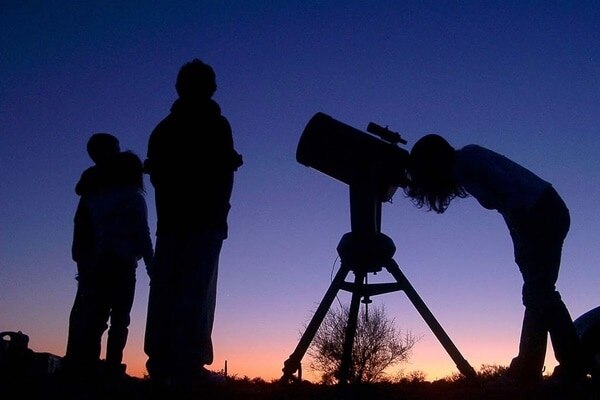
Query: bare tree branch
378, 345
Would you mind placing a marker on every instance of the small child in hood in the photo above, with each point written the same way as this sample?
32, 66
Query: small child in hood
111, 235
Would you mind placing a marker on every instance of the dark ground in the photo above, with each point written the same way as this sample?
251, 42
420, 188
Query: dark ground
25, 374
57, 387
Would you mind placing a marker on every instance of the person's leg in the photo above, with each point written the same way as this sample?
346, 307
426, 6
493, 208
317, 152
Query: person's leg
123, 292
539, 242
565, 343
527, 366
75, 320
567, 350
74, 353
198, 291
160, 318
87, 323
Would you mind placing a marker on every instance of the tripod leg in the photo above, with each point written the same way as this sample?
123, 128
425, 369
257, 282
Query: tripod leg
346, 363
292, 364
463, 366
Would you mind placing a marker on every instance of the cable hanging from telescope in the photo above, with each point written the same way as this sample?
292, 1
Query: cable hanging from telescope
331, 280
365, 301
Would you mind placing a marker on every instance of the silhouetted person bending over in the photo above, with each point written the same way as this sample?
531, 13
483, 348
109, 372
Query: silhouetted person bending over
191, 162
111, 234
538, 221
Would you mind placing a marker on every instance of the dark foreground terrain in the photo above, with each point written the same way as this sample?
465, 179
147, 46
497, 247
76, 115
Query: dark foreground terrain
488, 388
25, 374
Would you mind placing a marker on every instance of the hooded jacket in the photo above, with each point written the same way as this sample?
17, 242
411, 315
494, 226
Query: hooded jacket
191, 160
116, 226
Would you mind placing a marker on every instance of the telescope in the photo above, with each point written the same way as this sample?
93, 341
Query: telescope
354, 157
373, 166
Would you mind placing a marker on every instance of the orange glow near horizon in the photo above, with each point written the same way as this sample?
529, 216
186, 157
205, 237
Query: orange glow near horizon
428, 357
434, 363
260, 352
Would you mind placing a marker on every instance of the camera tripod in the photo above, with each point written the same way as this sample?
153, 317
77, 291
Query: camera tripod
366, 250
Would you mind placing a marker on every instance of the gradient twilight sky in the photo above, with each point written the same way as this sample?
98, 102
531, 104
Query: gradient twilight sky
521, 78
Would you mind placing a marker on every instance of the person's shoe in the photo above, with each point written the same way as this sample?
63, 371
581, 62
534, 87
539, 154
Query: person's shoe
526, 375
194, 380
113, 370
566, 377
514, 381
160, 387
564, 384
510, 385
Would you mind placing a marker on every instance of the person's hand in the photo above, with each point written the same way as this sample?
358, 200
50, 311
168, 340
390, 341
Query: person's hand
237, 161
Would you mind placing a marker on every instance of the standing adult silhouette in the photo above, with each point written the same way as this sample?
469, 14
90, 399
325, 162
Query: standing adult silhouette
191, 161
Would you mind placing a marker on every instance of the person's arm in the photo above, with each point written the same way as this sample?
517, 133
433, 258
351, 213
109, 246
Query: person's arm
83, 236
236, 158
152, 164
142, 229
232, 160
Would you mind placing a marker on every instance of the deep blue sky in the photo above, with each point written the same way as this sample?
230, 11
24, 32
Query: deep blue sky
518, 77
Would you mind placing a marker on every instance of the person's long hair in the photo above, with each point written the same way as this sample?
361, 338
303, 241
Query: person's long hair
431, 182
130, 170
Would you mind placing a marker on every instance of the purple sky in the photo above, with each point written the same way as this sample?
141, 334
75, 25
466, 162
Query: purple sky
518, 77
